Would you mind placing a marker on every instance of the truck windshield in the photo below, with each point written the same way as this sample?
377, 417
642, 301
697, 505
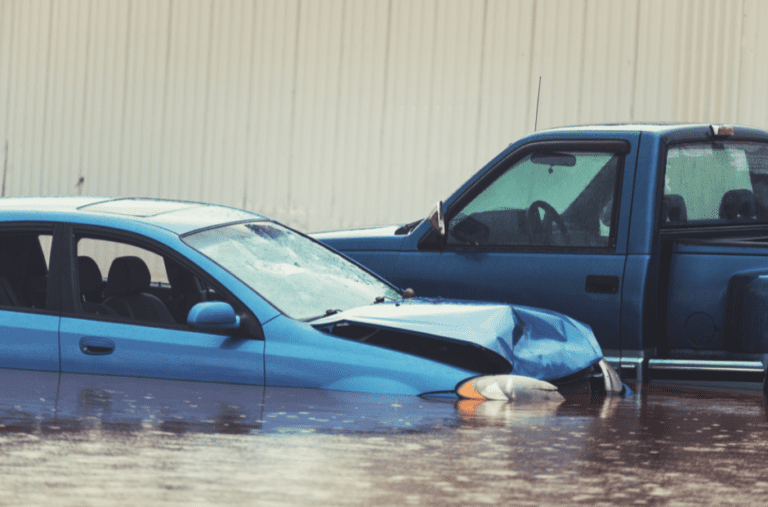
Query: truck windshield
716, 183
300, 277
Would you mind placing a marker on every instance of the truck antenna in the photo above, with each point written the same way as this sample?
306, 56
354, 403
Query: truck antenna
538, 96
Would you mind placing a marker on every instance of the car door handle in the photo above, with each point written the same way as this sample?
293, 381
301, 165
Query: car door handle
602, 284
96, 346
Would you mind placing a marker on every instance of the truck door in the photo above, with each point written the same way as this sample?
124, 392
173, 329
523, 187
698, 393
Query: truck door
713, 227
541, 228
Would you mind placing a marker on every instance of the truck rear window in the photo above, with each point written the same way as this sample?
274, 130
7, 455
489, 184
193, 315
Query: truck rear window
716, 183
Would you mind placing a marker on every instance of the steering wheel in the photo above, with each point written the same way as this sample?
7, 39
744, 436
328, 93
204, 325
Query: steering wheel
540, 231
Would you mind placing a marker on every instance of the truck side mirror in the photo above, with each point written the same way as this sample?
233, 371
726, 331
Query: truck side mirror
437, 220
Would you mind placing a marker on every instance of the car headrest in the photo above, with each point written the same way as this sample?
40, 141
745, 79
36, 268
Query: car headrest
738, 204
128, 274
90, 274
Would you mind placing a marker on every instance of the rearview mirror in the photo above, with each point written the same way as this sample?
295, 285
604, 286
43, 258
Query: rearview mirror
553, 158
213, 315
436, 219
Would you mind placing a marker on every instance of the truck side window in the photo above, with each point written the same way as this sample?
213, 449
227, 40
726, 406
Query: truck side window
548, 198
715, 183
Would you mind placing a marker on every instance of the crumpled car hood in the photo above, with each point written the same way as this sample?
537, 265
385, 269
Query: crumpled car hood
538, 343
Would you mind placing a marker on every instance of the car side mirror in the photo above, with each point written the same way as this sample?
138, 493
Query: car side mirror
213, 315
437, 220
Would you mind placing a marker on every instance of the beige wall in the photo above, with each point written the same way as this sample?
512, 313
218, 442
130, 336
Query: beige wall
340, 113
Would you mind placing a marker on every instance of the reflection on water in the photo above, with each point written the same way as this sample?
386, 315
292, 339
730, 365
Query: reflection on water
91, 440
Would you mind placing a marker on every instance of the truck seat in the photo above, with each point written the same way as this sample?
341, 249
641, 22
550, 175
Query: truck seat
738, 204
673, 209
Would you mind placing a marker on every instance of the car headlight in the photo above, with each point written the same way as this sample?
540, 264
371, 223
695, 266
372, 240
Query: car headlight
507, 388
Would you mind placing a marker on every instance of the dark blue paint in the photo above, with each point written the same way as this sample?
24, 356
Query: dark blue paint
670, 291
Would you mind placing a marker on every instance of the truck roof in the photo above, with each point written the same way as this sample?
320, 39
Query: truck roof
633, 127
668, 131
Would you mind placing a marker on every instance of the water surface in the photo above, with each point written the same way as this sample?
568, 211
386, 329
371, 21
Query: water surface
72, 440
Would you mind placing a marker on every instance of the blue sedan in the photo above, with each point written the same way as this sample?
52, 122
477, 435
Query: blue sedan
191, 291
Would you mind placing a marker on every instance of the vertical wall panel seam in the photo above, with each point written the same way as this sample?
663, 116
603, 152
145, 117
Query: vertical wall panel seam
379, 163
740, 61
8, 71
530, 68
479, 105
431, 86
633, 94
338, 106
580, 81
294, 85
80, 180
124, 111
249, 106
206, 96
7, 157
45, 98
164, 112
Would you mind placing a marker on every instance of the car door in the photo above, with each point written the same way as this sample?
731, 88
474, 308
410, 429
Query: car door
109, 332
540, 228
29, 317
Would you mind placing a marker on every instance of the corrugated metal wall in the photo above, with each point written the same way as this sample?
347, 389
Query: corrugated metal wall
340, 113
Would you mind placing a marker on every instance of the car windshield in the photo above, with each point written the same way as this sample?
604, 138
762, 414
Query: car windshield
301, 277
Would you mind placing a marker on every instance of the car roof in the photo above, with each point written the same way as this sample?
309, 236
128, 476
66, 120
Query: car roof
175, 216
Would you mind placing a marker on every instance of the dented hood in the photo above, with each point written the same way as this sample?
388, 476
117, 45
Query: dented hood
538, 343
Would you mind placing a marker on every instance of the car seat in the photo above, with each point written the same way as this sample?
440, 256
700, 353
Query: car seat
92, 287
127, 283
186, 290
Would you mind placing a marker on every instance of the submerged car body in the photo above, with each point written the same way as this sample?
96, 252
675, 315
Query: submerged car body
207, 293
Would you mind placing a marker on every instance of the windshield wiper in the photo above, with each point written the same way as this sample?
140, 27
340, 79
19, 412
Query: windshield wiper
332, 311
381, 299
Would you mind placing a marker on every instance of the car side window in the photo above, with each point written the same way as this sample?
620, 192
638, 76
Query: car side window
552, 198
123, 281
716, 183
24, 261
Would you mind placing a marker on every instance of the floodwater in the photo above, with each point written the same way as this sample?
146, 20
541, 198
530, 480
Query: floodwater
75, 440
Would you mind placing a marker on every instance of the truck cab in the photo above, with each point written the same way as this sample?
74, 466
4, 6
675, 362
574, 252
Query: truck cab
654, 235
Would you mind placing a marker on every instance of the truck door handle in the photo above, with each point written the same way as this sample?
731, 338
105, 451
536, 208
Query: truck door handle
602, 284
96, 346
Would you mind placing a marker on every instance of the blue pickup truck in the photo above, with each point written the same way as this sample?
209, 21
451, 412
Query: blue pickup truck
655, 235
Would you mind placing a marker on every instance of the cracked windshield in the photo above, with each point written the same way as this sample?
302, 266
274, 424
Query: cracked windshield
301, 278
